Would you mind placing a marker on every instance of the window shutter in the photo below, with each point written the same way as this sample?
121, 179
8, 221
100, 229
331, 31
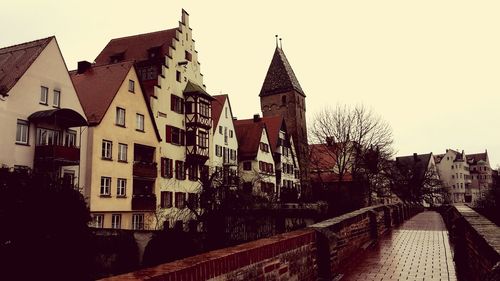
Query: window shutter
172, 102
171, 168
163, 163
182, 106
168, 134
183, 136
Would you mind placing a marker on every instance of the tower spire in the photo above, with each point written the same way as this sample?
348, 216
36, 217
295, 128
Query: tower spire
276, 40
281, 45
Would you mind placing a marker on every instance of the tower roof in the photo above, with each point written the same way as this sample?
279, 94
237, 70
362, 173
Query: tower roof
280, 77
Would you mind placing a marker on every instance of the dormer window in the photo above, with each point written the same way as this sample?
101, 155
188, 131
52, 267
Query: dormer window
118, 57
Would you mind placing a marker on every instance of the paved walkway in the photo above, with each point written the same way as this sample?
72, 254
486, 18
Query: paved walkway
417, 250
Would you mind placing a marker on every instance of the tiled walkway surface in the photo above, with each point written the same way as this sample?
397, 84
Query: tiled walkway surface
418, 250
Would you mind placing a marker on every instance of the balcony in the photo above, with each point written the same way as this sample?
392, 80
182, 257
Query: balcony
145, 169
146, 202
62, 155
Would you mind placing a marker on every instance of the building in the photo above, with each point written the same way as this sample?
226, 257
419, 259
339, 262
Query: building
169, 74
122, 141
42, 119
420, 173
284, 155
481, 176
282, 95
324, 167
224, 145
453, 171
255, 158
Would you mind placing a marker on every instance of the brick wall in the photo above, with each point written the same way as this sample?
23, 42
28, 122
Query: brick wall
313, 253
476, 243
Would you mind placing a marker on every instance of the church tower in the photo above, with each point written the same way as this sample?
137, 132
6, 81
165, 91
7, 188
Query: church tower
281, 95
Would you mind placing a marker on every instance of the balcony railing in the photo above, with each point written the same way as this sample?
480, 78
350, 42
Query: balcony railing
145, 169
144, 202
68, 155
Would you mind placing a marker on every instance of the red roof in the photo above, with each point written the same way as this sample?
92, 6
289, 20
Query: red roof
217, 105
136, 47
97, 87
248, 135
322, 162
273, 125
15, 60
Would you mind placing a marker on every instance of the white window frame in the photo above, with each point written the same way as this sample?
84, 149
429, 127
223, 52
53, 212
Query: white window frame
70, 138
137, 221
105, 186
98, 220
122, 152
120, 116
57, 98
121, 187
44, 95
131, 86
107, 149
139, 122
22, 131
116, 221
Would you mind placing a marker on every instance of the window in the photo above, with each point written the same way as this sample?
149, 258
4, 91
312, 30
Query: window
203, 139
105, 186
131, 86
57, 98
178, 76
120, 117
106, 149
166, 167
22, 131
138, 221
116, 221
231, 133
47, 137
264, 147
193, 172
121, 187
175, 135
99, 220
180, 172
204, 109
122, 152
70, 138
44, 95
139, 122
180, 200
218, 150
220, 130
225, 111
247, 165
166, 199
177, 104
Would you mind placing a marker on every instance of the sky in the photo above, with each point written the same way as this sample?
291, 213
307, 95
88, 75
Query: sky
429, 68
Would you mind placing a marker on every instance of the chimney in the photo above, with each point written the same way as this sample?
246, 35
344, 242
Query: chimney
83, 66
256, 118
415, 157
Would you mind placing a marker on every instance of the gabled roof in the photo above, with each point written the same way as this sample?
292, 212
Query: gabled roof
248, 135
416, 162
136, 47
273, 125
280, 77
97, 87
217, 106
475, 158
15, 60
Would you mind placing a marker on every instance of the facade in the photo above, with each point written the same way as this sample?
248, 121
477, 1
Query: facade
42, 118
224, 145
284, 156
169, 74
255, 159
453, 171
481, 176
282, 95
122, 141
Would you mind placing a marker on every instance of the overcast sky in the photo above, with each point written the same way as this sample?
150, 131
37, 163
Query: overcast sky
430, 68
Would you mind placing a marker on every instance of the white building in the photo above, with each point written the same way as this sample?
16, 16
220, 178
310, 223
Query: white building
481, 176
41, 115
256, 166
224, 145
454, 173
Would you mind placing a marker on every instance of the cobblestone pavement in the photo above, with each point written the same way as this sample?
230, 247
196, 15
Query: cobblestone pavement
417, 250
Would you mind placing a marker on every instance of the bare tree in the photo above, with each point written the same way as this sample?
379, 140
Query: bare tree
358, 141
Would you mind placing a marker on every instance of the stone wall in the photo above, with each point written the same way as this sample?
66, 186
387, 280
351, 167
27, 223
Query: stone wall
476, 243
312, 253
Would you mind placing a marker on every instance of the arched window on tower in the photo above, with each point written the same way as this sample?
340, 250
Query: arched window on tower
283, 100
